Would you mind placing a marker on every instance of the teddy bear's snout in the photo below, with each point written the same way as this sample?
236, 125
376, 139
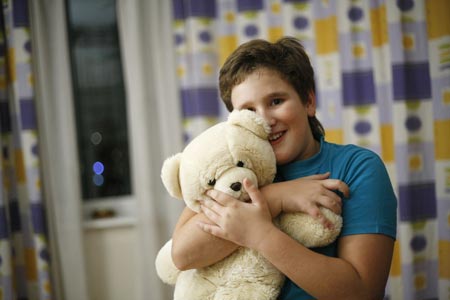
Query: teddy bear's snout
236, 186
230, 182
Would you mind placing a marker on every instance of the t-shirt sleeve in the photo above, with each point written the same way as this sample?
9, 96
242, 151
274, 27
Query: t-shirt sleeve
372, 206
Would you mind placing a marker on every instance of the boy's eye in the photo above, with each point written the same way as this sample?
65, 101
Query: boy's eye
212, 182
240, 164
250, 109
276, 101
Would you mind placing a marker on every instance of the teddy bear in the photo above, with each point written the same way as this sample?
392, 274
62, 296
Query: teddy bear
220, 158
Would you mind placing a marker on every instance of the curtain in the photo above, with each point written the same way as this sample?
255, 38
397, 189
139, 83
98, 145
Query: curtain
383, 82
24, 255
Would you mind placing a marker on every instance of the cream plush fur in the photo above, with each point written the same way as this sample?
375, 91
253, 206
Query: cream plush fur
220, 158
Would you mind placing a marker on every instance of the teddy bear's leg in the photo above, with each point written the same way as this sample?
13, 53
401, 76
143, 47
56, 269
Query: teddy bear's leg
192, 286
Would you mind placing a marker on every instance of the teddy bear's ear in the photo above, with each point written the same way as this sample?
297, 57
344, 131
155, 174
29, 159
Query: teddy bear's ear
251, 121
170, 175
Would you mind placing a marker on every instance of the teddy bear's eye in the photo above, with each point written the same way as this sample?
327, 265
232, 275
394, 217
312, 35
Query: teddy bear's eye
212, 182
240, 164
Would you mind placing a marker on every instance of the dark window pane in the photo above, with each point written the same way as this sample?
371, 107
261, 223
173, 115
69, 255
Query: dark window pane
99, 95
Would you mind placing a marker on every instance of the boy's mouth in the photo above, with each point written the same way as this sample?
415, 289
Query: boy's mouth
275, 136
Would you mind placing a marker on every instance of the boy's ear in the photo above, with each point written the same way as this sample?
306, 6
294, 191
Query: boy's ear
170, 175
311, 104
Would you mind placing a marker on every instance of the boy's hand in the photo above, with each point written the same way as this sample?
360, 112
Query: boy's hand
242, 223
308, 194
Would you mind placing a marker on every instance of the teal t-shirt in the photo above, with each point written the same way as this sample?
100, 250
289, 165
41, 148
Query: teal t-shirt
372, 206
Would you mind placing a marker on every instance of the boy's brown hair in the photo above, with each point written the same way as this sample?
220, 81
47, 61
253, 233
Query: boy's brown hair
286, 56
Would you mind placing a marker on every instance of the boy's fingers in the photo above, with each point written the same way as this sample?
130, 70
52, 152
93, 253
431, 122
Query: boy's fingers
211, 214
252, 190
220, 197
318, 176
211, 229
337, 185
331, 201
324, 221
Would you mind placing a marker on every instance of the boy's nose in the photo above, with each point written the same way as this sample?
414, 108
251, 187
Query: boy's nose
268, 117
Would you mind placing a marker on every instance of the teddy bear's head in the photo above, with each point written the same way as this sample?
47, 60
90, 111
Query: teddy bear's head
220, 158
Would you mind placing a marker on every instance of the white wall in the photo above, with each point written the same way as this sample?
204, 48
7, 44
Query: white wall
112, 263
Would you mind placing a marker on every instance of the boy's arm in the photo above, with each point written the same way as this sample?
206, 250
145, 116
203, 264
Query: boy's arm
192, 248
359, 272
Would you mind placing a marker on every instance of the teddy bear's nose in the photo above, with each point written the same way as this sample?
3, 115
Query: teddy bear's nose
236, 186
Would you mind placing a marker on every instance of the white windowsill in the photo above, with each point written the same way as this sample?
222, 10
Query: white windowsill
122, 212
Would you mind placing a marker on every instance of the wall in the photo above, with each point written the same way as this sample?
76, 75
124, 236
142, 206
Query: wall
112, 272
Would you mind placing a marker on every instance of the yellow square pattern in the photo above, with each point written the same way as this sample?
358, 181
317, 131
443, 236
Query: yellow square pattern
334, 136
444, 259
441, 139
19, 166
11, 65
379, 26
387, 143
396, 266
227, 44
438, 21
31, 264
275, 33
326, 35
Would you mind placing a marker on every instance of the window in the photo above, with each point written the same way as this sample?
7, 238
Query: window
100, 99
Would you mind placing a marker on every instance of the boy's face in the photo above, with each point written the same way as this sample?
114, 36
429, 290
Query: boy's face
269, 95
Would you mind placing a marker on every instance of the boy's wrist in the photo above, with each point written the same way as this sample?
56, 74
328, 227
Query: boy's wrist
273, 200
270, 230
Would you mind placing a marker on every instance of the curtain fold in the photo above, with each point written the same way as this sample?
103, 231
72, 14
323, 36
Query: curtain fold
24, 255
383, 82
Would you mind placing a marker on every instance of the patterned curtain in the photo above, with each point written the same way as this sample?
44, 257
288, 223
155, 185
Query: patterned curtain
383, 82
24, 256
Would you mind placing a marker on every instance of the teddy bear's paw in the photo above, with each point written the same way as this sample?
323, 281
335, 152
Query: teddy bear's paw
309, 231
165, 268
